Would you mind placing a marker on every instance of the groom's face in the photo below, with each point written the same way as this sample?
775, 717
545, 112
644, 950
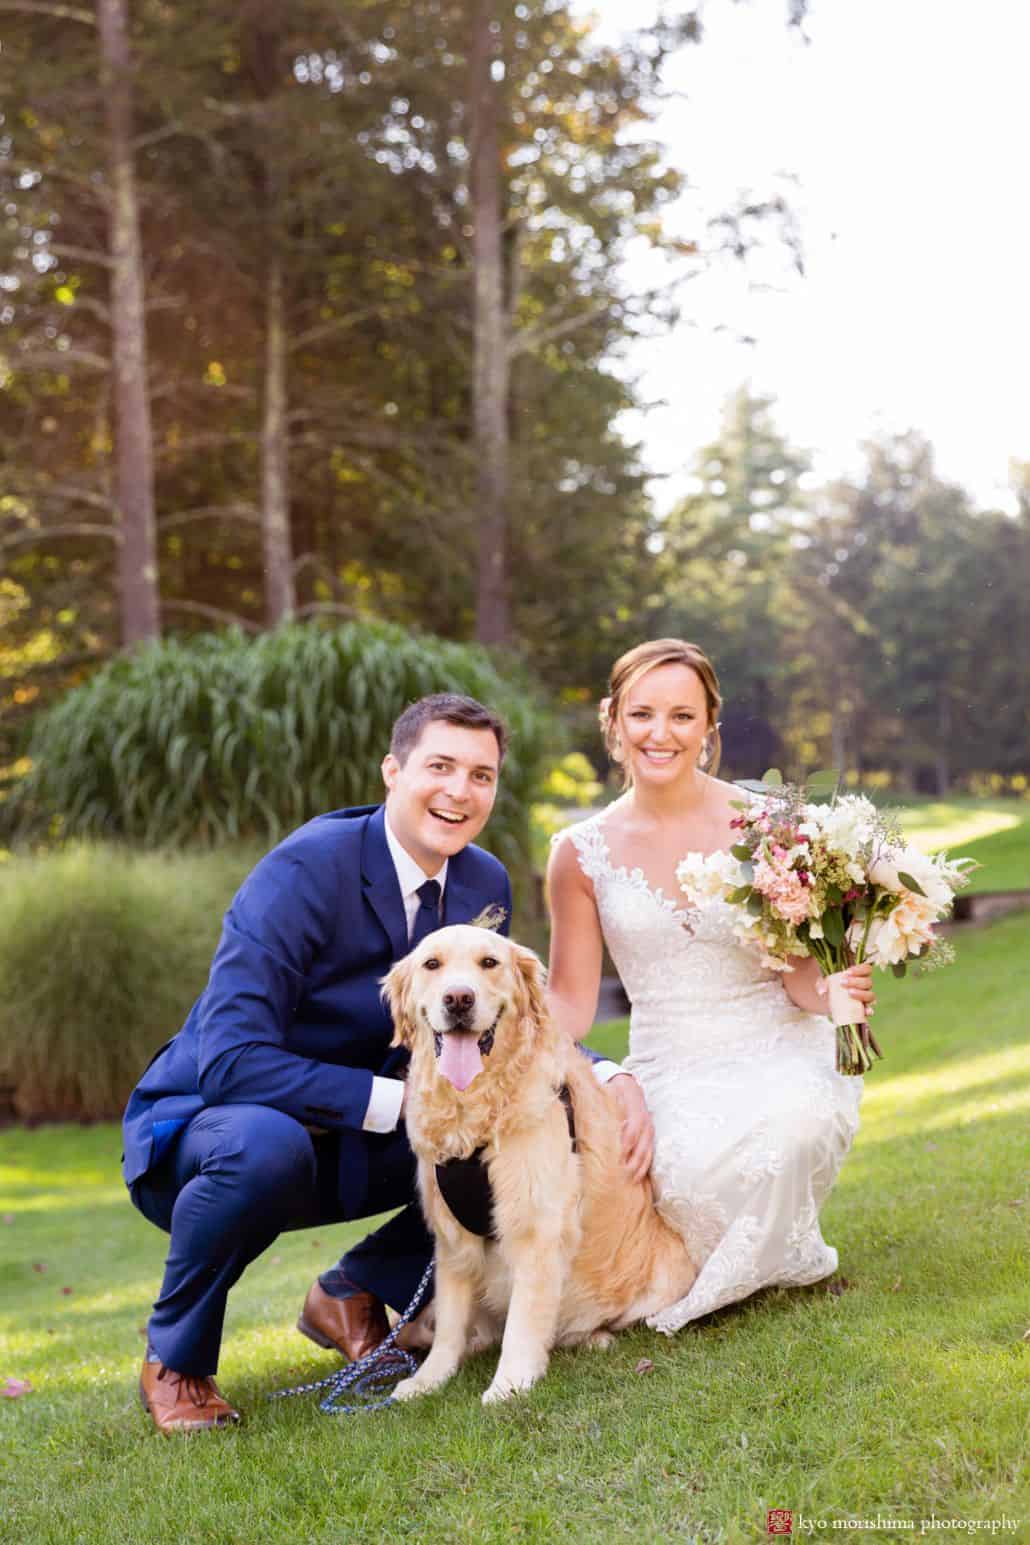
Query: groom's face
440, 798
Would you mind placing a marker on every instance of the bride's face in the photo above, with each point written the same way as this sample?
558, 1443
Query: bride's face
663, 721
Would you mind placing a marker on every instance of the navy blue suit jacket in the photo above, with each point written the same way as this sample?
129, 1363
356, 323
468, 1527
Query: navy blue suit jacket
291, 1016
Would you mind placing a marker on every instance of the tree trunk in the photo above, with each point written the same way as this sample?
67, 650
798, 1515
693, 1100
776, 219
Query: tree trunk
490, 372
134, 498
280, 596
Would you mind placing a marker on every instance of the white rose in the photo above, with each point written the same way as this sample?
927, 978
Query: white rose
708, 878
847, 825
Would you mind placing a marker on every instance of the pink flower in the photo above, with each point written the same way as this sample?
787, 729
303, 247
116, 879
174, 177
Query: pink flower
784, 891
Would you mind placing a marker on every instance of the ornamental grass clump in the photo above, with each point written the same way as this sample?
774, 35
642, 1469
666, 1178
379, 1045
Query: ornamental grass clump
102, 951
219, 737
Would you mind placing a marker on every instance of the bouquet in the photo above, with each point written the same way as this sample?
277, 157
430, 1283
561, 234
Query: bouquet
832, 880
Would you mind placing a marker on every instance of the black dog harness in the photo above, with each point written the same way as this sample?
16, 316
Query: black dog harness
465, 1184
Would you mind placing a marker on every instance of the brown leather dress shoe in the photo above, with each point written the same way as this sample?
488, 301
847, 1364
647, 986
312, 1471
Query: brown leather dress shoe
352, 1326
182, 1402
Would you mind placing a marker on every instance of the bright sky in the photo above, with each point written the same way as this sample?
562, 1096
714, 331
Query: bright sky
905, 123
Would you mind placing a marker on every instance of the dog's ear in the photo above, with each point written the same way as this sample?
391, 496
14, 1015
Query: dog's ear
529, 974
396, 986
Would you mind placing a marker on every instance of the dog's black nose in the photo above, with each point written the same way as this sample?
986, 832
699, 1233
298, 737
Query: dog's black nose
459, 1001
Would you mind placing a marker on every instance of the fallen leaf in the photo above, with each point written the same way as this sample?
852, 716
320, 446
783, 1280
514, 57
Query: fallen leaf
15, 1387
1026, 1335
896, 1286
1020, 1201
38, 1266
276, 1260
66, 1291
50, 1332
8, 1217
316, 1244
645, 1365
141, 1330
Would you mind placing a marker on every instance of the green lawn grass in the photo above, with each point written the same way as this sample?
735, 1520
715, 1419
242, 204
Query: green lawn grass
996, 832
903, 1395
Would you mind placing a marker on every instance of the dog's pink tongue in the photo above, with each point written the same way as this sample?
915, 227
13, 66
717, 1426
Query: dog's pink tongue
459, 1060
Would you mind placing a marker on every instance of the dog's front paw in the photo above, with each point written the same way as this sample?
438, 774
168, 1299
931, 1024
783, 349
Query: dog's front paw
508, 1383
410, 1389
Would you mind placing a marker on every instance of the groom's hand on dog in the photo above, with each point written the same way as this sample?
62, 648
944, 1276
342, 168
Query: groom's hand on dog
637, 1126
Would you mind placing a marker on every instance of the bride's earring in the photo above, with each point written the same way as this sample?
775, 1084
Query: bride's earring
616, 753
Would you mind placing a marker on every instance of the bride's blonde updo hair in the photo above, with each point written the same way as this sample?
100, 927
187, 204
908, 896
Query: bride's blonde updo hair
636, 662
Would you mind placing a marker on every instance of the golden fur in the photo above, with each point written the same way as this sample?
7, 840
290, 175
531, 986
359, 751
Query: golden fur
580, 1248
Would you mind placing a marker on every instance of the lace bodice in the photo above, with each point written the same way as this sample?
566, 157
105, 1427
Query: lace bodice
687, 976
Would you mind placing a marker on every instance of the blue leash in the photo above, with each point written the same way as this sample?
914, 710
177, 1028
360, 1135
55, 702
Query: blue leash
385, 1364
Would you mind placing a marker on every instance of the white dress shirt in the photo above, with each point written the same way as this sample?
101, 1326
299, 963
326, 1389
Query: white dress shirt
384, 1106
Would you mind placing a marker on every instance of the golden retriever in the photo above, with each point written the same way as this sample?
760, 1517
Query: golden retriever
578, 1249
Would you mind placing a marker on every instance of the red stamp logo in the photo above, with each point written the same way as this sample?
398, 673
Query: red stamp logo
779, 1520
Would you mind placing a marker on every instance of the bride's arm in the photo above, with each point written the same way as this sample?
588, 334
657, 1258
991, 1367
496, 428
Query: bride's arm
804, 985
577, 948
573, 984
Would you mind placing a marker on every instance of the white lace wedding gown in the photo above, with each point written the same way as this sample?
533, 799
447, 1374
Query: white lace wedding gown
751, 1121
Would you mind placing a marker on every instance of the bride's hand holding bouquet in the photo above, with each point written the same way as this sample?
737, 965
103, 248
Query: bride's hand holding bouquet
834, 881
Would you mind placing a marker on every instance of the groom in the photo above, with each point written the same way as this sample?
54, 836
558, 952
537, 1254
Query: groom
279, 1104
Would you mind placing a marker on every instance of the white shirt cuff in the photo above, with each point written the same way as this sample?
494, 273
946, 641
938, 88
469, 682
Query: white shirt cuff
384, 1106
603, 1071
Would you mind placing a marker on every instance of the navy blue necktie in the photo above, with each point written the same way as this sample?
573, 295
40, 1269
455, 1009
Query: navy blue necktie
427, 918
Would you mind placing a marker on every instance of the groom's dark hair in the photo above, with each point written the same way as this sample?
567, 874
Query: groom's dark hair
448, 708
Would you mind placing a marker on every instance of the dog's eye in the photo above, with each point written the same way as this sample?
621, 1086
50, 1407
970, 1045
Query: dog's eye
432, 964
488, 962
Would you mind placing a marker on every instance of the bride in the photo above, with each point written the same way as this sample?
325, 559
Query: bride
736, 1062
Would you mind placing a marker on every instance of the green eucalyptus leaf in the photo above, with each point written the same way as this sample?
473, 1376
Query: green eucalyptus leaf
911, 884
773, 778
741, 850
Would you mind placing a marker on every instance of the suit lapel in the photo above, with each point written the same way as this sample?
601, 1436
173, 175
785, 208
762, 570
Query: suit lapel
379, 884
460, 903
462, 900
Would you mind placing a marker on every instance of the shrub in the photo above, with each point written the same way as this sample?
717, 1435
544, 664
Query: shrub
102, 951
220, 737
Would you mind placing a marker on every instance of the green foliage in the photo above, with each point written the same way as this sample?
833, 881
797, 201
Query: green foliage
101, 954
570, 785
222, 737
896, 1392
